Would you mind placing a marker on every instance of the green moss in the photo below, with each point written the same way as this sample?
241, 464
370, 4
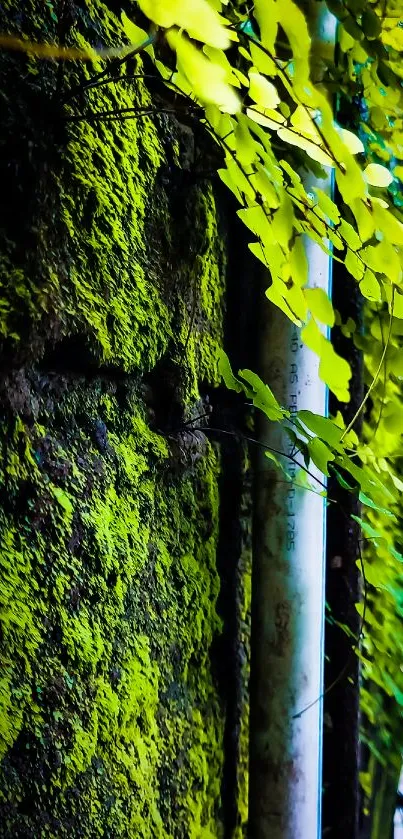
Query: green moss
110, 723
114, 611
100, 265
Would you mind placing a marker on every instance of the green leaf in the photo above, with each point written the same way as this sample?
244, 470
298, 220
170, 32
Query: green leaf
311, 148
369, 531
256, 220
365, 219
343, 483
369, 503
354, 265
299, 263
377, 175
135, 34
263, 397
335, 371
327, 205
236, 180
320, 305
276, 460
263, 92
370, 287
320, 454
397, 305
266, 13
390, 226
351, 141
263, 183
225, 371
197, 17
245, 144
266, 117
392, 419
322, 427
312, 336
207, 80
349, 235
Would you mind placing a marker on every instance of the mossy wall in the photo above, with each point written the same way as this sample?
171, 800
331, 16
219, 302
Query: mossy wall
112, 274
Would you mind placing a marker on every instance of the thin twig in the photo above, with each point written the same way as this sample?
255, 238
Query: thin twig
114, 65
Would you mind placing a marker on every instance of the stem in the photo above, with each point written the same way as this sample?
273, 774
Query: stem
379, 368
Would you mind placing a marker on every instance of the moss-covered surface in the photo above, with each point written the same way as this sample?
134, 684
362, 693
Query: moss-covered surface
112, 275
109, 721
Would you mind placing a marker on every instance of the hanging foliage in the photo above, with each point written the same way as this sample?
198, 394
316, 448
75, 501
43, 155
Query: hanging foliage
266, 94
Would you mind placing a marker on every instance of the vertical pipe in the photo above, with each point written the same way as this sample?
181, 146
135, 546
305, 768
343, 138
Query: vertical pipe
288, 583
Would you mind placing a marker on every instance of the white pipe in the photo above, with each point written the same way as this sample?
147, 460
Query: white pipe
288, 586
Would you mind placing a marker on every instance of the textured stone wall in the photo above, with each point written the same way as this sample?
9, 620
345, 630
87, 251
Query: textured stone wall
112, 273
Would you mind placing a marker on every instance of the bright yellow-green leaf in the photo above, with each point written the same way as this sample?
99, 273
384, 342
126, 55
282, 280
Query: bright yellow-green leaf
235, 179
346, 41
207, 80
349, 235
383, 259
376, 200
377, 175
302, 121
284, 300
282, 222
263, 397
351, 141
388, 224
223, 124
266, 13
312, 336
164, 71
295, 299
351, 182
225, 370
394, 38
364, 218
256, 220
320, 454
263, 184
298, 263
161, 12
320, 305
298, 188
370, 288
354, 265
335, 371
135, 34
219, 57
263, 92
327, 205
195, 16
266, 117
245, 144
295, 26
240, 76
397, 482
392, 419
322, 427
308, 146
262, 61
397, 305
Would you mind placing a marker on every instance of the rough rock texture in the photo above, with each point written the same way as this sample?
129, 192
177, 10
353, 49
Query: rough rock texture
112, 272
